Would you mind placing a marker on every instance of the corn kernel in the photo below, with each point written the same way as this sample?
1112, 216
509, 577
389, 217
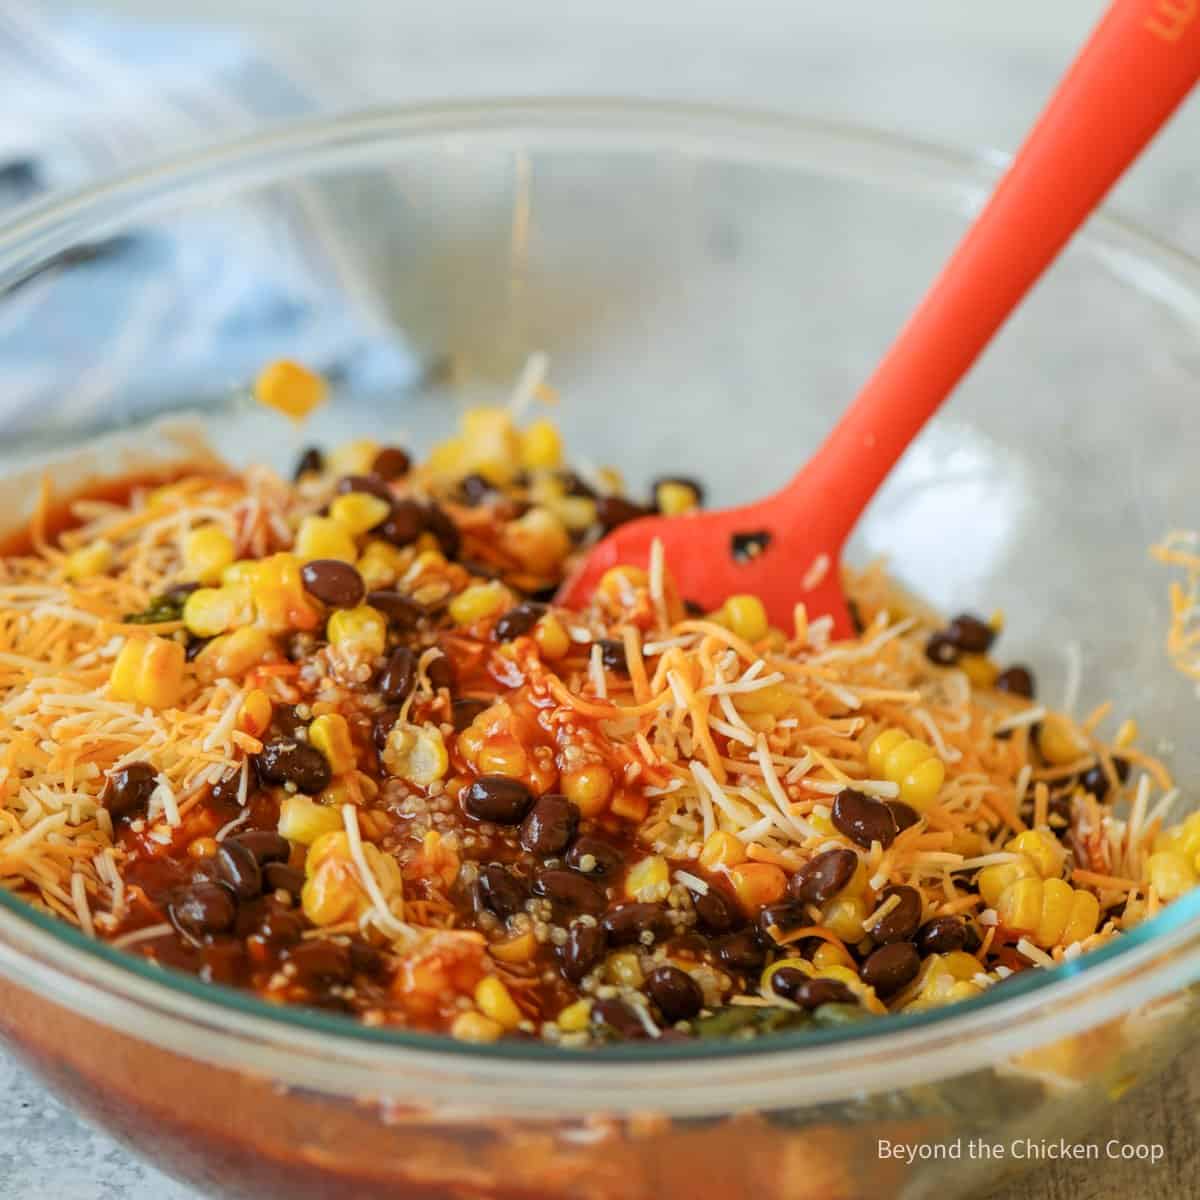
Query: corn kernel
648, 879
148, 671
1020, 904
620, 585
360, 631
1058, 741
909, 762
757, 884
241, 571
844, 916
323, 537
575, 1017
881, 747
416, 753
302, 820
722, 850
90, 560
629, 805
551, 638
778, 700
476, 1028
355, 457
979, 669
233, 654
448, 459
828, 955
254, 717
993, 881
1170, 874
210, 611
478, 601
280, 599
1084, 917
490, 443
207, 551
589, 787
330, 734
624, 969
332, 892
515, 950
577, 513
673, 497
289, 388
380, 565
502, 755
494, 1000
540, 446
538, 541
1043, 849
745, 617
359, 512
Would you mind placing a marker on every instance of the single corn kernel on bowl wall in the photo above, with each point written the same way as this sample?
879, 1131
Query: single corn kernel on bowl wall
708, 290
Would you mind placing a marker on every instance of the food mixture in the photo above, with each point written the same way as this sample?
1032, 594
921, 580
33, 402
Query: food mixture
329, 739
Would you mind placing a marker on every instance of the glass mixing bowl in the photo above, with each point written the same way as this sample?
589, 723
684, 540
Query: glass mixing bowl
711, 288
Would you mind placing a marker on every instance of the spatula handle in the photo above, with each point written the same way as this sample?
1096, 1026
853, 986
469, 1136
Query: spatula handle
1139, 63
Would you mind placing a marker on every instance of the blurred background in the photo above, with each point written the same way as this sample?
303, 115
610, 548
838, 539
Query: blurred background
87, 90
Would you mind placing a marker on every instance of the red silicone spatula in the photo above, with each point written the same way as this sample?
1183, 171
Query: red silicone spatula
1140, 62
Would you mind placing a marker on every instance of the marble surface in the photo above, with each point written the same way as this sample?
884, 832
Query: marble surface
941, 70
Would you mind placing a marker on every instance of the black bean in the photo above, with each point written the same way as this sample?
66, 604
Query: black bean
311, 460
475, 490
391, 462
402, 613
501, 891
285, 721
1094, 779
583, 949
863, 820
441, 673
906, 816
742, 951
785, 916
619, 1017
497, 798
683, 480
202, 908
286, 761
373, 485
890, 967
903, 920
127, 790
464, 711
971, 634
941, 650
612, 511
605, 859
716, 912
942, 935
279, 877
785, 981
821, 878
627, 922
280, 926
574, 485
239, 869
440, 524
399, 675
569, 890
974, 939
265, 844
404, 524
612, 654
333, 582
518, 621
384, 723
812, 993
1016, 680
676, 993
320, 959
549, 826
225, 790
365, 959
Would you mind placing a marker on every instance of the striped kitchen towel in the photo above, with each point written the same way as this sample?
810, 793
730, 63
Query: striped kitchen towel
177, 311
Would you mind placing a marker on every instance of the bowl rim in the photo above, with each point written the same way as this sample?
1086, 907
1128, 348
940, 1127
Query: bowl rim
32, 941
